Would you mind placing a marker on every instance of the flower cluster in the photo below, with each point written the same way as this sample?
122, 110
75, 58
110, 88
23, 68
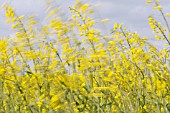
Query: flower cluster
71, 66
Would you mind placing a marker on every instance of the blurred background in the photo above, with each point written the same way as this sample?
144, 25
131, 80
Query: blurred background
133, 13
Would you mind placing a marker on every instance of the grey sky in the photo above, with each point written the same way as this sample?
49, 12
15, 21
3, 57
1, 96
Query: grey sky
133, 13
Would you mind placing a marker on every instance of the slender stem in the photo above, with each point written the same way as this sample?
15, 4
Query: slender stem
166, 22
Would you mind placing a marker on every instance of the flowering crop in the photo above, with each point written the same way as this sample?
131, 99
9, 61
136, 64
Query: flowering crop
70, 66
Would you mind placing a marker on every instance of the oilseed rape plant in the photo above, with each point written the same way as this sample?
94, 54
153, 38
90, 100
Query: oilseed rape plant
70, 66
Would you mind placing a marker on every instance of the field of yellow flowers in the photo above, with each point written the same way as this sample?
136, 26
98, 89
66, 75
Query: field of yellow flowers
69, 66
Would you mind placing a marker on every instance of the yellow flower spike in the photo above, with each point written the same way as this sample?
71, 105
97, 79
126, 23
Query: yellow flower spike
14, 19
15, 25
54, 11
21, 17
157, 7
148, 2
105, 20
84, 7
115, 26
7, 14
145, 107
2, 71
33, 22
44, 111
157, 37
168, 14
167, 55
39, 104
166, 44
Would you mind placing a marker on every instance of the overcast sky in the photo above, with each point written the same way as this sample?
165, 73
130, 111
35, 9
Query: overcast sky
133, 13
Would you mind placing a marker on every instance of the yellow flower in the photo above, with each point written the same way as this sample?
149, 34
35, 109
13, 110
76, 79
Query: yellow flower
84, 7
39, 104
